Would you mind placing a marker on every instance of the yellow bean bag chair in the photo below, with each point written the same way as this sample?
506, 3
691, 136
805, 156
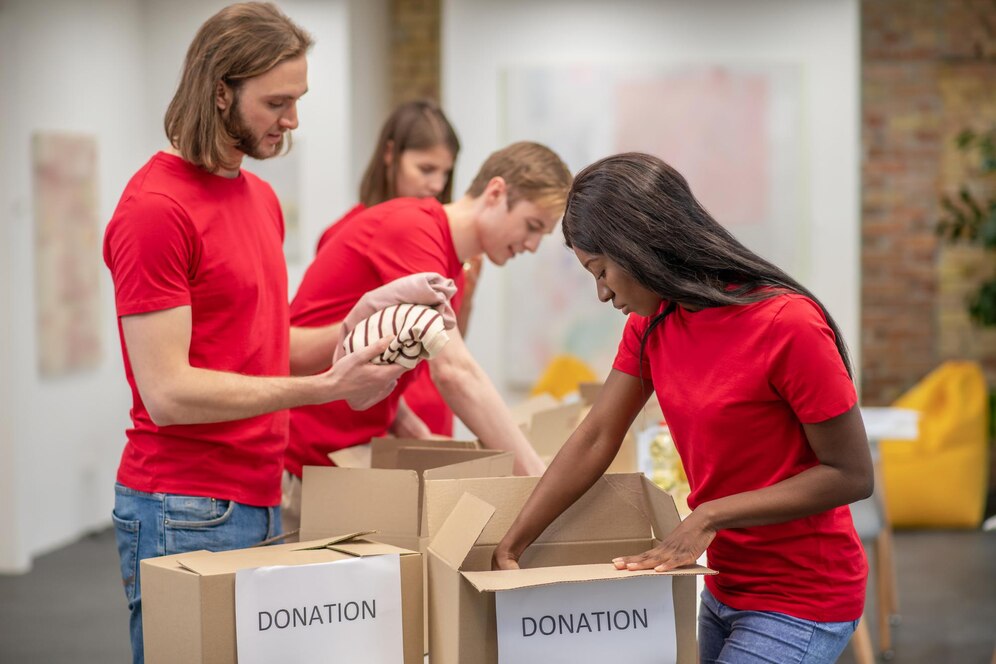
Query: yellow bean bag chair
941, 478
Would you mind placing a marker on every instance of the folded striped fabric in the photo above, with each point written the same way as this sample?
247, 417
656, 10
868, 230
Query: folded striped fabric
419, 333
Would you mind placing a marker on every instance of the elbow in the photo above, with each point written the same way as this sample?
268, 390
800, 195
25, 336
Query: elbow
449, 376
866, 485
162, 410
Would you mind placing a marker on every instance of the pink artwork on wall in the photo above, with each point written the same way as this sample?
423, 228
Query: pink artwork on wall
67, 253
721, 147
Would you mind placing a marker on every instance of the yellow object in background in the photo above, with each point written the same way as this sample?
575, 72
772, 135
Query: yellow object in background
562, 376
940, 479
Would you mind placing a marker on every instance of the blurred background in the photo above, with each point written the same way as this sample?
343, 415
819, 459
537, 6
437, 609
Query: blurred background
850, 141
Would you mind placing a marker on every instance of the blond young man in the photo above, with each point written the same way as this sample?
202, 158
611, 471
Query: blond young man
516, 199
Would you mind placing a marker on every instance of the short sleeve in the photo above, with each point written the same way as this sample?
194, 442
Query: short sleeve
628, 358
150, 249
805, 367
408, 242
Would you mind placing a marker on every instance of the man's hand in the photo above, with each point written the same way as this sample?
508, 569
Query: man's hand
358, 381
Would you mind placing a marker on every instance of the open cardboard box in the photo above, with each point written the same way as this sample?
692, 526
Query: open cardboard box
548, 423
188, 599
389, 496
622, 514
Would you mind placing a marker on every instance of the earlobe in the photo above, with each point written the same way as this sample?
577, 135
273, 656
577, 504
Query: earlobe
389, 152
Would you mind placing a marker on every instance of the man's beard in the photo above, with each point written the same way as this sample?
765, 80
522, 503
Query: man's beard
245, 142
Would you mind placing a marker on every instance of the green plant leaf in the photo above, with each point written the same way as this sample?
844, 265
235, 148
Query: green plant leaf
964, 139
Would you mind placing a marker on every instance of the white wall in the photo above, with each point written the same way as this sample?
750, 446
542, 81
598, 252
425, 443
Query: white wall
109, 68
480, 38
69, 66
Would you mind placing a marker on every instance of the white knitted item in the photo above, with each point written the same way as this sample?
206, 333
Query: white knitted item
419, 333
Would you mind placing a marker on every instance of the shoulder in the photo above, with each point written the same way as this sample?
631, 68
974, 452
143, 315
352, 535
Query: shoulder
793, 310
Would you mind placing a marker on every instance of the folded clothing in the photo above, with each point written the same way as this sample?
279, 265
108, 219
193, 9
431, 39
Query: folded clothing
428, 288
419, 333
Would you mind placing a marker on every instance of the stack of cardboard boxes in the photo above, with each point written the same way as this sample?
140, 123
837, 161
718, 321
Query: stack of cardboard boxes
441, 507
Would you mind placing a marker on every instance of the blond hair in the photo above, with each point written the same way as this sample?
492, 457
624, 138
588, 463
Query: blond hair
531, 171
239, 42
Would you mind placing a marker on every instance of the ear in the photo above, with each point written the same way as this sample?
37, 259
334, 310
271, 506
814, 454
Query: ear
222, 96
389, 152
495, 191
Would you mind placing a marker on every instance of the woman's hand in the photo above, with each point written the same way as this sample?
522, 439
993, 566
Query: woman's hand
503, 559
681, 547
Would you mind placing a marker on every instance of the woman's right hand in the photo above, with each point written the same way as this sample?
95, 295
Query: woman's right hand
502, 558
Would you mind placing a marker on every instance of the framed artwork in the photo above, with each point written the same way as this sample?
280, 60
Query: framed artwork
67, 252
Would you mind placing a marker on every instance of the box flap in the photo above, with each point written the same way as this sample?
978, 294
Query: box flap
477, 463
384, 451
614, 508
342, 500
457, 535
498, 580
423, 458
551, 428
207, 563
357, 456
522, 413
662, 508
488, 463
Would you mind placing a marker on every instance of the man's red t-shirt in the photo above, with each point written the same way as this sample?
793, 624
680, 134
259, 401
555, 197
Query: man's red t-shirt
736, 384
394, 239
421, 395
183, 237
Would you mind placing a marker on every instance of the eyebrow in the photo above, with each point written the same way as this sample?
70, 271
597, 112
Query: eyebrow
287, 96
587, 262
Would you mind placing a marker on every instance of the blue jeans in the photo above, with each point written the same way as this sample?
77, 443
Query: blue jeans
729, 636
160, 524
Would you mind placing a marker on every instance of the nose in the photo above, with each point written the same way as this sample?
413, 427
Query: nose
436, 184
532, 242
604, 293
289, 119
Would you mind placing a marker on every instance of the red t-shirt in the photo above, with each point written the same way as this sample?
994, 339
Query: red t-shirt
394, 239
421, 396
736, 384
183, 237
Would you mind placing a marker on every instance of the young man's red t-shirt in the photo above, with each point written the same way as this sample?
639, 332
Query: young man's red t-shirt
736, 384
421, 395
183, 237
394, 239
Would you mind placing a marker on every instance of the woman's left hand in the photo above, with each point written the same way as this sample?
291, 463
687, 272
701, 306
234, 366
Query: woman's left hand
682, 547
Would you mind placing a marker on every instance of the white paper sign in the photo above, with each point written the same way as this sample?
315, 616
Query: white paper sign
349, 610
628, 620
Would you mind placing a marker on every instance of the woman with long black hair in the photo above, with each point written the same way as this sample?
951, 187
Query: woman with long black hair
755, 383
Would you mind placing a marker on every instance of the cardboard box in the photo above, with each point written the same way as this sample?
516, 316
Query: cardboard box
389, 496
622, 514
547, 424
188, 599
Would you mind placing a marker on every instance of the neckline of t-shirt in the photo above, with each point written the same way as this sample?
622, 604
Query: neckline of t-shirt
214, 178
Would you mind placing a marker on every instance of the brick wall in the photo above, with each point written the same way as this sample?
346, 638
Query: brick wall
414, 50
928, 70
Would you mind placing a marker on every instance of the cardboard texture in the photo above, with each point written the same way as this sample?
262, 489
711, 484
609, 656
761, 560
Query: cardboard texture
621, 514
188, 599
389, 497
